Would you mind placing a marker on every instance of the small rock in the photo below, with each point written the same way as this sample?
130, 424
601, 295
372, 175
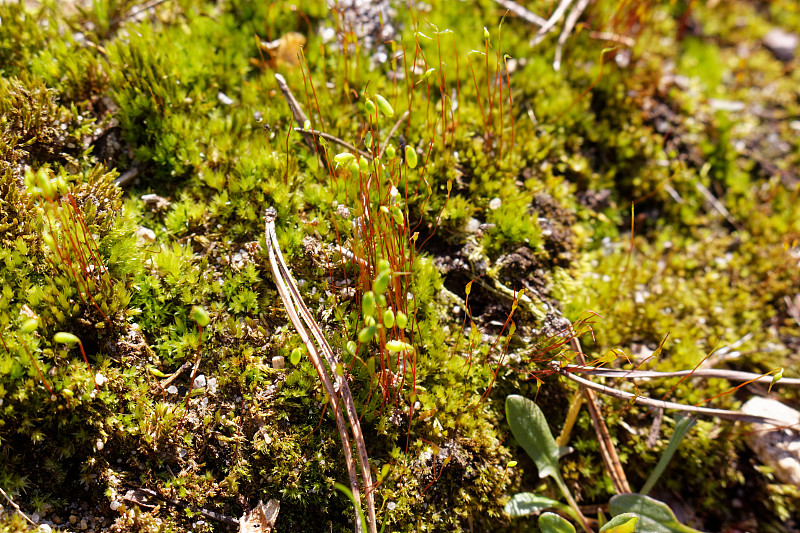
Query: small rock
145, 235
778, 447
172, 389
278, 362
84, 526
473, 225
495, 203
212, 385
199, 382
224, 99
73, 519
115, 505
100, 379
782, 43
155, 202
44, 528
99, 445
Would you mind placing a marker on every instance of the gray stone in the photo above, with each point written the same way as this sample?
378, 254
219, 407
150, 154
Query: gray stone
776, 447
782, 44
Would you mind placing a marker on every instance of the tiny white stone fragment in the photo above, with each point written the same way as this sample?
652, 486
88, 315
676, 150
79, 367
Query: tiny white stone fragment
199, 382
172, 389
145, 235
224, 99
777, 447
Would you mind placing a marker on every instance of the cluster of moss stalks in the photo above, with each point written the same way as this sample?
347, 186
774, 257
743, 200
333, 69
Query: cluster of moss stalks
588, 187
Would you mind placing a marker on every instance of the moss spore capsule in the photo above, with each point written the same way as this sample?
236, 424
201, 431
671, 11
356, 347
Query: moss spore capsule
381, 283
368, 304
295, 356
366, 334
402, 320
388, 319
384, 106
200, 315
411, 156
62, 337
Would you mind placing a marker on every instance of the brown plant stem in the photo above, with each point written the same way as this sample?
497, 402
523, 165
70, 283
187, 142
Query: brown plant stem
724, 414
340, 391
607, 449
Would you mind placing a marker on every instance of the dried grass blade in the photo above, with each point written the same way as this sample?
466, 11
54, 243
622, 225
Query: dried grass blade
293, 302
278, 270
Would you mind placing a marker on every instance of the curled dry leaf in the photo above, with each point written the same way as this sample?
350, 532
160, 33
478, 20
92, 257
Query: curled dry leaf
261, 519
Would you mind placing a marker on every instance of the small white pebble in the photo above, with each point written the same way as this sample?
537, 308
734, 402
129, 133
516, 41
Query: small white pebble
391, 506
278, 362
45, 528
212, 385
495, 204
99, 445
172, 389
199, 382
145, 235
115, 505
100, 379
224, 99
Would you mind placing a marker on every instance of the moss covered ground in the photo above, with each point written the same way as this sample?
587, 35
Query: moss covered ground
646, 190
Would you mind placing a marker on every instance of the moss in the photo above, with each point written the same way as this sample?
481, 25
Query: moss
531, 178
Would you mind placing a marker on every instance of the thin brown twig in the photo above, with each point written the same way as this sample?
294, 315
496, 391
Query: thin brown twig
730, 375
297, 112
724, 414
392, 131
569, 25
16, 508
607, 449
623, 40
293, 303
132, 13
523, 13
177, 373
717, 205
135, 496
336, 140
548, 26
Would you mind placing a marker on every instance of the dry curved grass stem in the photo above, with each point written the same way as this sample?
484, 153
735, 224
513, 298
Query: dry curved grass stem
337, 389
724, 414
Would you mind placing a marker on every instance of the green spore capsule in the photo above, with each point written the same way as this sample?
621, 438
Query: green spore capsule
62, 337
402, 320
29, 326
200, 315
295, 356
381, 283
368, 304
411, 156
384, 106
366, 334
388, 319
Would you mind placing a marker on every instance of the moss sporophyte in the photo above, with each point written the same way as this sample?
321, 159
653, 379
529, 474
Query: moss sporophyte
459, 196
